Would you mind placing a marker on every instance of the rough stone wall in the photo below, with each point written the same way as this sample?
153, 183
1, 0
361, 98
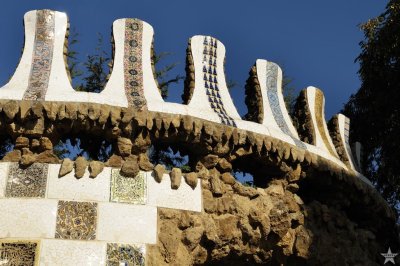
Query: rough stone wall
277, 225
254, 98
189, 80
305, 211
333, 126
302, 119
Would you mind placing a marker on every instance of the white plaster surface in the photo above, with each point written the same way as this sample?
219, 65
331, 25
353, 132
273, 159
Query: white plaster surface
183, 198
114, 91
3, 178
364, 179
311, 91
84, 189
199, 105
18, 83
125, 223
223, 89
60, 88
174, 108
27, 218
151, 92
252, 126
269, 119
342, 125
68, 253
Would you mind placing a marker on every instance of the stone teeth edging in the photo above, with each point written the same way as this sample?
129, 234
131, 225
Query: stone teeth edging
48, 80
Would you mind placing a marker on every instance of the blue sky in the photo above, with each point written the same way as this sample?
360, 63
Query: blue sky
316, 42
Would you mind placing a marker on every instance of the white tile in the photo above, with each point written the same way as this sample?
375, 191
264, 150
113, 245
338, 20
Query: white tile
183, 198
125, 223
67, 253
18, 83
3, 178
28, 218
70, 188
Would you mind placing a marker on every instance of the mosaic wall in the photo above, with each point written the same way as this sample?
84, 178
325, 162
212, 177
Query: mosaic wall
27, 183
127, 189
319, 116
42, 56
347, 130
127, 255
76, 220
18, 253
211, 81
133, 73
272, 95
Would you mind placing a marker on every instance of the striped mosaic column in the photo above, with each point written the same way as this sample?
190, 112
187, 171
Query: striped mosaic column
210, 98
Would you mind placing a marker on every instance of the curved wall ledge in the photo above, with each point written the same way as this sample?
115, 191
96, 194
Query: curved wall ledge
42, 76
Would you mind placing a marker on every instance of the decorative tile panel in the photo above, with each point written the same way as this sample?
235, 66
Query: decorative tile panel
211, 81
42, 56
18, 253
128, 189
127, 255
133, 73
319, 117
276, 108
29, 182
76, 220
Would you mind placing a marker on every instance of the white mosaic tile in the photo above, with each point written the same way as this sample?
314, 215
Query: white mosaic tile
70, 188
67, 253
27, 218
125, 223
15, 88
183, 198
3, 178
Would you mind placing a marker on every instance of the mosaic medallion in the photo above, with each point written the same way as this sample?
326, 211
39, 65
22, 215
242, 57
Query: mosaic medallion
211, 80
18, 253
76, 220
128, 189
127, 255
29, 182
319, 116
133, 74
42, 56
272, 95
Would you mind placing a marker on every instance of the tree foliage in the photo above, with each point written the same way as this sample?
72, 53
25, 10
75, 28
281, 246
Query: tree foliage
375, 109
162, 75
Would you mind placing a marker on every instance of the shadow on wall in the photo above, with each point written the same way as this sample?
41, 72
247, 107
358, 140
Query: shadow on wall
6, 145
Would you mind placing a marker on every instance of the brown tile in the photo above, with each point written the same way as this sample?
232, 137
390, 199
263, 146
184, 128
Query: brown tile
129, 255
42, 56
19, 253
76, 220
128, 189
29, 182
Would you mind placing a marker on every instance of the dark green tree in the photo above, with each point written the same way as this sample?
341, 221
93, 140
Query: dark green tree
375, 109
162, 74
